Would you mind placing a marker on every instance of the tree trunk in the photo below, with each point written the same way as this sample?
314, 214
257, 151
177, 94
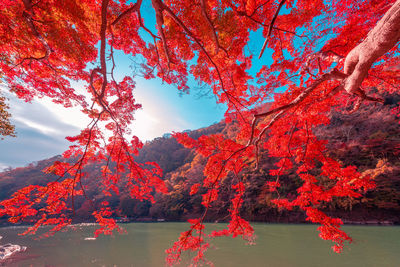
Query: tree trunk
380, 40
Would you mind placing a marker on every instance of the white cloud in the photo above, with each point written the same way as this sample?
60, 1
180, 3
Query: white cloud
40, 134
3, 167
154, 120
37, 126
72, 116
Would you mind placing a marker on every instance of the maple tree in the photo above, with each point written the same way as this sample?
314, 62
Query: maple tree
325, 56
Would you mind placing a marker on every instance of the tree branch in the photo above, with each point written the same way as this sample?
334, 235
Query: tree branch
29, 20
379, 40
103, 29
333, 75
159, 7
271, 25
134, 8
244, 14
210, 24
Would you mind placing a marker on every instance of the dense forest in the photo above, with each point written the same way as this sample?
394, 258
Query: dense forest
368, 139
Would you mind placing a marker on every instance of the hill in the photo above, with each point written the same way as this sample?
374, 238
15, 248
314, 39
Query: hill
368, 139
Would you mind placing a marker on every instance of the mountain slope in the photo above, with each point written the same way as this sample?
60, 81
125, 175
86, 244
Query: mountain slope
368, 139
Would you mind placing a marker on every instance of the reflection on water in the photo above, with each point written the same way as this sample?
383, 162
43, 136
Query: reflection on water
144, 245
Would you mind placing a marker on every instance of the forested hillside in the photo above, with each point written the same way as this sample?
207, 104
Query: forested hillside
368, 139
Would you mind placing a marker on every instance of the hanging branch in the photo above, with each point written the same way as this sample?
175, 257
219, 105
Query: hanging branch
103, 29
271, 25
27, 14
134, 8
211, 25
159, 7
291, 32
244, 14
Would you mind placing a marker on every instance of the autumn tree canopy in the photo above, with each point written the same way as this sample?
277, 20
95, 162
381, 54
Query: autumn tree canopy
325, 55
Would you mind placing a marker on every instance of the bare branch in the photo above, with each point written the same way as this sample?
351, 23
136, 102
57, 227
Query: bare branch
271, 122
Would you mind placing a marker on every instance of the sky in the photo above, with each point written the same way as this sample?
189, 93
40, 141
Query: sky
42, 126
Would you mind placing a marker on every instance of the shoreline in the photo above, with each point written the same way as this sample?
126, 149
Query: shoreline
345, 223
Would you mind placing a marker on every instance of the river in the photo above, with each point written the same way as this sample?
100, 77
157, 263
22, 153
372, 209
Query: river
277, 245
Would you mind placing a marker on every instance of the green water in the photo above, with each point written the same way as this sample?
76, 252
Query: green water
144, 244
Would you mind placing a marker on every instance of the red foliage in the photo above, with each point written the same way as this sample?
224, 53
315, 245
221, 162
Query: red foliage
46, 45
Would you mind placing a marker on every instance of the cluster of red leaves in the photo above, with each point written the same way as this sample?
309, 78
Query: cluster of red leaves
189, 241
47, 45
107, 225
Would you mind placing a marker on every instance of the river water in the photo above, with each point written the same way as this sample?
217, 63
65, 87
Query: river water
277, 245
